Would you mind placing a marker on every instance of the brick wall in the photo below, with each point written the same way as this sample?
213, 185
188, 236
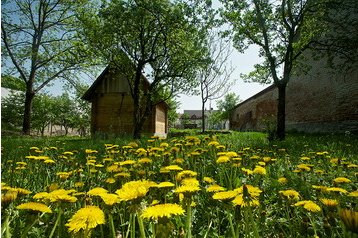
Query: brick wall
321, 100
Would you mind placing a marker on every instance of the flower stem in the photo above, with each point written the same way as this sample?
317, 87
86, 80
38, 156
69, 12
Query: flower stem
188, 219
231, 226
141, 226
111, 224
56, 223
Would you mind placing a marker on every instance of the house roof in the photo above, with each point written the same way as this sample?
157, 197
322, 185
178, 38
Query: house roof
88, 95
265, 90
90, 92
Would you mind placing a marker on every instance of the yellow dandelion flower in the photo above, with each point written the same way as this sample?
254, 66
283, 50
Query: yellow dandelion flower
113, 168
350, 219
165, 185
109, 198
179, 160
190, 181
341, 180
220, 147
134, 189
185, 174
290, 194
22, 191
97, 191
247, 171
110, 180
164, 145
86, 218
319, 187
164, 170
58, 195
173, 168
133, 144
122, 174
213, 143
309, 206
127, 162
239, 200
336, 189
231, 154
259, 170
318, 171
34, 206
223, 159
145, 161
8, 197
353, 194
329, 202
282, 180
49, 161
162, 210
187, 189
249, 190
208, 180
63, 175
215, 188
305, 167
225, 195
79, 184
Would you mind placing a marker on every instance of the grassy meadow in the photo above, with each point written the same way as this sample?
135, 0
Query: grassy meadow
224, 185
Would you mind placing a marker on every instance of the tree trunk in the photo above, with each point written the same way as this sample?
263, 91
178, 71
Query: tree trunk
203, 117
281, 111
26, 124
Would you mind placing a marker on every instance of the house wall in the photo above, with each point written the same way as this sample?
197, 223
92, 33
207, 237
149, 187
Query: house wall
161, 120
250, 114
322, 100
112, 108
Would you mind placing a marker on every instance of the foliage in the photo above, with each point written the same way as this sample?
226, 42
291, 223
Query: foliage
119, 179
40, 44
13, 83
227, 105
11, 111
133, 36
63, 110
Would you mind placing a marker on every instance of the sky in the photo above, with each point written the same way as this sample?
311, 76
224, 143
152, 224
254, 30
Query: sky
243, 63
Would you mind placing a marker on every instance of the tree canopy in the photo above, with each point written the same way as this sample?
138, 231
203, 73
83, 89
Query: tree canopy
136, 35
40, 44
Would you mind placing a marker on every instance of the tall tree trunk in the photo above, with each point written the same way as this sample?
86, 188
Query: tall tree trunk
203, 117
137, 127
281, 111
26, 124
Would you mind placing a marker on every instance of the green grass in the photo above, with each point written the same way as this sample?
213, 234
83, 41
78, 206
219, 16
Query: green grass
334, 155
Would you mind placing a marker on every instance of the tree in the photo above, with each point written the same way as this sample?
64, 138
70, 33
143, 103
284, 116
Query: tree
286, 29
44, 111
11, 111
278, 29
134, 35
214, 76
40, 44
227, 105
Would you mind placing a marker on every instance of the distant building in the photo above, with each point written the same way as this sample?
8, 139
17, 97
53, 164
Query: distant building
193, 119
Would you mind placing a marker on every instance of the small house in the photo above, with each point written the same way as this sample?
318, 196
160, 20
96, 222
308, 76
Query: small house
112, 107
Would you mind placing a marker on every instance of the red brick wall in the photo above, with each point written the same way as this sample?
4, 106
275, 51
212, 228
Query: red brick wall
322, 100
